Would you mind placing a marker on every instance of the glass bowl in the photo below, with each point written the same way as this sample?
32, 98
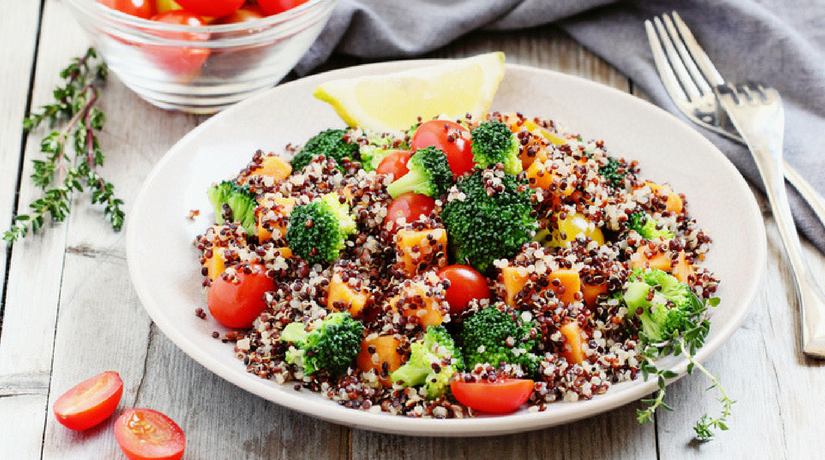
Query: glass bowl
201, 69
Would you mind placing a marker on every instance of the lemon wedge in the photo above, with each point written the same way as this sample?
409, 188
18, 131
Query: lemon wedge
393, 102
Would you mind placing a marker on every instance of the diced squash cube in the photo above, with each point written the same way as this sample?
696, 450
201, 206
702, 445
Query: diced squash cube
285, 252
419, 250
663, 261
673, 202
569, 284
215, 265
428, 313
513, 283
342, 296
540, 175
273, 214
682, 270
274, 167
378, 352
573, 350
591, 292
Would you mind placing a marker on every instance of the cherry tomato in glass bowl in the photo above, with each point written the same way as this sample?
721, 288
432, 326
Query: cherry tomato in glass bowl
214, 8
141, 8
466, 284
179, 61
236, 297
90, 402
242, 15
271, 7
145, 434
452, 138
499, 397
409, 206
395, 164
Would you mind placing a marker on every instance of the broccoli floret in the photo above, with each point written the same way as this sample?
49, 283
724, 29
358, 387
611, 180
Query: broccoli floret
669, 312
493, 142
614, 172
485, 337
331, 347
429, 174
240, 200
434, 358
329, 143
646, 226
375, 151
482, 228
317, 231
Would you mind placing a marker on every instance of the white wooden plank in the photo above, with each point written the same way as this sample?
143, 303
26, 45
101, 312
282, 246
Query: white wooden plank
616, 434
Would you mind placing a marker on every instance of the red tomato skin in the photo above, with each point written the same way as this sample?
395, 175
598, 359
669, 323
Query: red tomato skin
438, 133
237, 305
214, 8
143, 9
498, 397
137, 447
106, 391
466, 284
409, 205
179, 61
242, 15
271, 7
395, 163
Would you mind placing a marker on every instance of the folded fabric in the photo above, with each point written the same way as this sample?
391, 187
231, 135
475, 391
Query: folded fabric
780, 43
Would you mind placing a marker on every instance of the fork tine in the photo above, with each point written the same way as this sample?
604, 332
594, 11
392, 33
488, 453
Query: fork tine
676, 62
687, 60
665, 71
699, 55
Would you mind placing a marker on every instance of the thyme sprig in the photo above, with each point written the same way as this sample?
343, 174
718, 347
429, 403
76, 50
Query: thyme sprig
72, 153
685, 344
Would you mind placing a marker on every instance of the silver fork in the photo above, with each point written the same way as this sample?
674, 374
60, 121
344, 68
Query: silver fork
756, 112
689, 78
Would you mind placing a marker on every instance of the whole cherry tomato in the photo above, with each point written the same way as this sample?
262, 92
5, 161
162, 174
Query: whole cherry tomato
141, 8
235, 299
89, 402
409, 206
271, 7
214, 8
466, 284
145, 434
497, 397
452, 138
395, 164
250, 13
179, 61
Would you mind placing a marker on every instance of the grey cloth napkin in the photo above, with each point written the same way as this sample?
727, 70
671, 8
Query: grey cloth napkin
779, 42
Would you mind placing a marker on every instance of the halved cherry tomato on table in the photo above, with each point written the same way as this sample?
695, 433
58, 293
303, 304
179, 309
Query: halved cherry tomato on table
409, 206
90, 402
180, 61
145, 434
497, 397
395, 164
141, 8
250, 13
452, 138
466, 284
236, 299
279, 6
214, 8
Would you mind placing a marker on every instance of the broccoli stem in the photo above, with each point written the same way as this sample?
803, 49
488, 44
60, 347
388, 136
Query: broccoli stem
407, 183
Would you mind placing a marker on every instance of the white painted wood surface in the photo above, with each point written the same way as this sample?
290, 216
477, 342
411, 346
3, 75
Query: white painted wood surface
69, 310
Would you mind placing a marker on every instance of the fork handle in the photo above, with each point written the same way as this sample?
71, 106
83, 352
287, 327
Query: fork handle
767, 151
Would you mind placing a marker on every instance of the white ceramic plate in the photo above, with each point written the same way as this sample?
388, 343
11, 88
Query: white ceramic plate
164, 268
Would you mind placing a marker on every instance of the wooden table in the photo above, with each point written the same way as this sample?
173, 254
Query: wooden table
69, 310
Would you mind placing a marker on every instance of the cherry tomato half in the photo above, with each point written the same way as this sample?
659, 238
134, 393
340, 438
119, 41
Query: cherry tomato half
214, 8
395, 164
409, 206
271, 7
452, 138
145, 434
242, 15
497, 397
179, 61
90, 402
141, 8
236, 300
466, 284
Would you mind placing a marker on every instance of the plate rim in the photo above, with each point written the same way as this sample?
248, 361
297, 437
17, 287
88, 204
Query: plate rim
496, 425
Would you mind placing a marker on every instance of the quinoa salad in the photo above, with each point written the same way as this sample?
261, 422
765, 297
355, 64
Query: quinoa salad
464, 266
